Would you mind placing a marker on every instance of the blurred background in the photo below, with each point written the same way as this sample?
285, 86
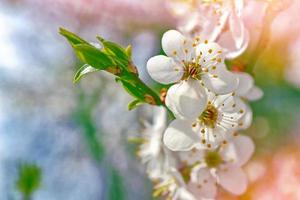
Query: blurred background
73, 138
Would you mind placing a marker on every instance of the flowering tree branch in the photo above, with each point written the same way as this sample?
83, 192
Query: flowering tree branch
116, 60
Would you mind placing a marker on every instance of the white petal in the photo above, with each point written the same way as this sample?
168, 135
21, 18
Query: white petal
177, 46
224, 82
232, 104
254, 94
202, 183
233, 53
164, 69
211, 54
219, 26
246, 82
186, 99
239, 150
237, 29
239, 5
179, 136
233, 180
191, 157
231, 115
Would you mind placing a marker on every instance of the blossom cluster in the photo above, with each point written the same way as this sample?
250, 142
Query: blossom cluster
201, 149
194, 144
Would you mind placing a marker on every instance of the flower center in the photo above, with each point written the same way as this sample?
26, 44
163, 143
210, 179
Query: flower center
192, 70
209, 116
213, 159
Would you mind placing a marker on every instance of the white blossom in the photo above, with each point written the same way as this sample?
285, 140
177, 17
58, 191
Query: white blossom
157, 158
221, 118
221, 166
215, 20
192, 66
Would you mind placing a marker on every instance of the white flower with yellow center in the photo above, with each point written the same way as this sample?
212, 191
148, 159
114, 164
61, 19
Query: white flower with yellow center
192, 66
219, 167
215, 20
153, 153
221, 118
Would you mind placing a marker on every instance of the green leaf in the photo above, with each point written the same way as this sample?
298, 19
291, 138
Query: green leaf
85, 69
71, 37
135, 103
132, 89
116, 51
93, 56
29, 179
129, 51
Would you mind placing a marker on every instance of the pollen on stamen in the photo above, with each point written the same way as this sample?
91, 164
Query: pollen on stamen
209, 145
203, 141
194, 125
204, 69
210, 51
241, 111
186, 50
234, 105
206, 41
174, 53
203, 131
219, 60
235, 134
215, 76
214, 67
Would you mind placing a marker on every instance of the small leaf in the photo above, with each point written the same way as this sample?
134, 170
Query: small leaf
29, 179
85, 69
72, 37
93, 56
135, 103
